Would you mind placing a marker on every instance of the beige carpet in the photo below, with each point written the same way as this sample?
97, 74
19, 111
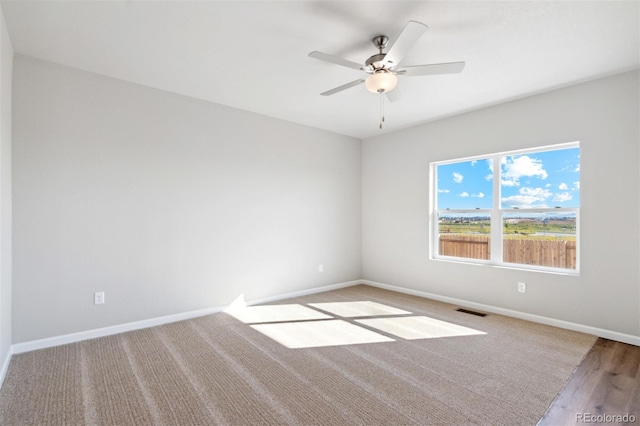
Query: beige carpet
449, 368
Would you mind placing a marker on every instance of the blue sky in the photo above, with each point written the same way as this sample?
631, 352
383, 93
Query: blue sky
534, 180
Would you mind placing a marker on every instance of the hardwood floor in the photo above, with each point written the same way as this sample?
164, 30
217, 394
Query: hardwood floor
607, 383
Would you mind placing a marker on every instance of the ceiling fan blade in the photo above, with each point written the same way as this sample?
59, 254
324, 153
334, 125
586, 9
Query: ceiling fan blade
432, 69
336, 60
407, 38
343, 87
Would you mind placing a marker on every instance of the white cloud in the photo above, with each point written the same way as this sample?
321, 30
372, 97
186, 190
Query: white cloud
576, 185
523, 202
563, 186
464, 194
510, 183
478, 195
513, 168
535, 192
562, 197
528, 198
577, 169
490, 166
446, 191
473, 162
548, 185
457, 177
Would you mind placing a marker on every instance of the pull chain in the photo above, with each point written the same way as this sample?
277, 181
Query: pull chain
381, 109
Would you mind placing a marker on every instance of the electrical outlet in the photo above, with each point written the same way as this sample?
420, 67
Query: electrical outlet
320, 268
522, 287
98, 298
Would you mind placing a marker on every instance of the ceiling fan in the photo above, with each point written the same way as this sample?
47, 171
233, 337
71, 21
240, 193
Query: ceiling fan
383, 68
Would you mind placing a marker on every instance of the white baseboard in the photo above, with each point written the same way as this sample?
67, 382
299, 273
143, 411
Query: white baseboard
304, 292
107, 331
152, 322
5, 366
607, 334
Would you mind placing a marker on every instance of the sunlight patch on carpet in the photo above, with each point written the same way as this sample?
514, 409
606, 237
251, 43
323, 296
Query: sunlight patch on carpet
275, 313
419, 327
315, 334
358, 309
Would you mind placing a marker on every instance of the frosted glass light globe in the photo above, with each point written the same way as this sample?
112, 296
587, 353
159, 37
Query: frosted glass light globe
381, 81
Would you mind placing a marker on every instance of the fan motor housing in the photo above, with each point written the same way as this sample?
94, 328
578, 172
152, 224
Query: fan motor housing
376, 61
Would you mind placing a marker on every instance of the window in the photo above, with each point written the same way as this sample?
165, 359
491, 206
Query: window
519, 209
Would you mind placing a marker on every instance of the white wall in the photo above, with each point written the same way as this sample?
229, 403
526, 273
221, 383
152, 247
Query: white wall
167, 203
171, 204
603, 116
6, 69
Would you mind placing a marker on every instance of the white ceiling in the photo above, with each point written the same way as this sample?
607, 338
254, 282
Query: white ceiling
253, 55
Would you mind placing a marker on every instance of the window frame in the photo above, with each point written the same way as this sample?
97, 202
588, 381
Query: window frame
496, 214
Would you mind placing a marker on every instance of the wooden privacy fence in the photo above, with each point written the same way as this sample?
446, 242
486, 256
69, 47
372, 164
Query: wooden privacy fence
470, 246
527, 251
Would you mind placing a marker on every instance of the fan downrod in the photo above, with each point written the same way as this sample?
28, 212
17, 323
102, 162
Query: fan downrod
377, 61
380, 42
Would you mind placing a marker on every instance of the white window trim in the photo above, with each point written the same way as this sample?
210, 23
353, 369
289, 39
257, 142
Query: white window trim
496, 213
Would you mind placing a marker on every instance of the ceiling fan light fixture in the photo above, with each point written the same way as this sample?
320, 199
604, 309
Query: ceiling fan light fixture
380, 82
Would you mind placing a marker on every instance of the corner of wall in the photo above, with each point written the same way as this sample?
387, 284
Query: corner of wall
4, 367
6, 79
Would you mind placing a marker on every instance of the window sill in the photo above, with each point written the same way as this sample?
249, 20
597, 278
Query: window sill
509, 266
